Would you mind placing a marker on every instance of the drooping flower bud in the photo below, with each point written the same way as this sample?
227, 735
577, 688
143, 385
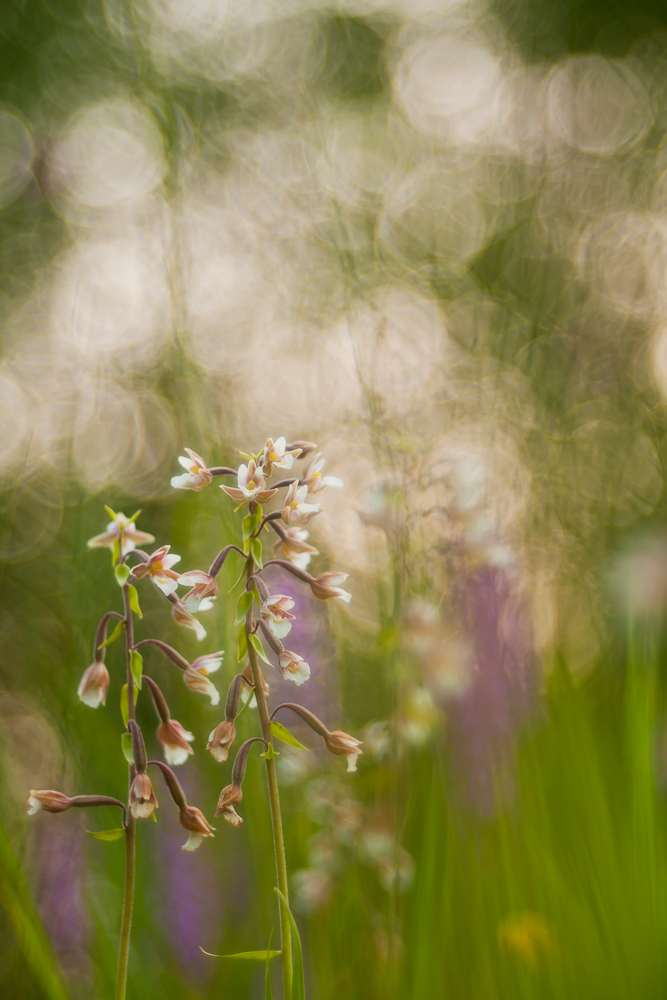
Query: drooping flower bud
277, 456
342, 744
202, 585
159, 569
193, 820
303, 446
221, 739
251, 485
142, 797
175, 740
197, 476
49, 801
326, 585
275, 611
293, 667
94, 685
295, 509
230, 797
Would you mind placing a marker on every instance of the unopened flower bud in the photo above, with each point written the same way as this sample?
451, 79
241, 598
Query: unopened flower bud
293, 667
142, 797
175, 740
94, 685
198, 826
303, 446
342, 744
326, 585
49, 801
230, 797
221, 739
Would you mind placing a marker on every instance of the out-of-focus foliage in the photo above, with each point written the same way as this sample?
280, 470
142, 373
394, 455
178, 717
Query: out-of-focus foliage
430, 236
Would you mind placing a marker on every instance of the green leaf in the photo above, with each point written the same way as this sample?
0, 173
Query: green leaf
268, 995
122, 574
154, 816
112, 514
126, 746
259, 649
283, 734
240, 577
256, 551
136, 666
134, 516
115, 552
258, 512
243, 606
248, 956
298, 986
107, 834
114, 635
134, 600
243, 644
124, 703
250, 524
270, 753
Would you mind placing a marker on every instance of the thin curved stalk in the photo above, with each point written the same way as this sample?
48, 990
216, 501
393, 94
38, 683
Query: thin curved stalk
130, 833
274, 800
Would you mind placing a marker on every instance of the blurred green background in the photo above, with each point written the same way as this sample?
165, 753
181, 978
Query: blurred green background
432, 237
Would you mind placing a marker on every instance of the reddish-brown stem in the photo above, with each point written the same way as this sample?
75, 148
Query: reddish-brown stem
173, 654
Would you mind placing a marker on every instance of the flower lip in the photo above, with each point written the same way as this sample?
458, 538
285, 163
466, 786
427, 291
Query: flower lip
175, 740
142, 797
293, 667
221, 739
94, 685
230, 796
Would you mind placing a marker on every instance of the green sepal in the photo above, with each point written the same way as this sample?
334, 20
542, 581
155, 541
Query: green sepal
134, 516
107, 834
240, 506
256, 551
248, 956
134, 600
136, 666
259, 649
250, 524
243, 644
270, 753
243, 606
114, 635
154, 816
126, 746
112, 514
281, 733
122, 574
115, 553
124, 703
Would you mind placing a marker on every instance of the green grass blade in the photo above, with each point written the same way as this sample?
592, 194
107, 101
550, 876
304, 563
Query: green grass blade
268, 995
298, 985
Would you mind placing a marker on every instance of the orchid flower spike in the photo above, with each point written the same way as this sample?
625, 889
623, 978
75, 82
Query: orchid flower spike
312, 476
197, 476
203, 586
277, 457
295, 509
326, 585
159, 569
251, 485
132, 537
94, 685
292, 545
276, 612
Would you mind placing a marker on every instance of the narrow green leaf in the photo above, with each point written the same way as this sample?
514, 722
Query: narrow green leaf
240, 506
248, 956
126, 746
298, 986
250, 523
134, 600
154, 816
115, 553
256, 551
136, 666
124, 703
256, 594
281, 733
122, 574
268, 995
240, 577
243, 645
258, 512
107, 834
259, 649
270, 753
112, 514
243, 606
114, 635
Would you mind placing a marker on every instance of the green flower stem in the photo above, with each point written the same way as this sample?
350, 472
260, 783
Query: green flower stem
274, 799
130, 834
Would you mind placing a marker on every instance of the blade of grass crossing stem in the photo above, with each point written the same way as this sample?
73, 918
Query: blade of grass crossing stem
298, 986
268, 995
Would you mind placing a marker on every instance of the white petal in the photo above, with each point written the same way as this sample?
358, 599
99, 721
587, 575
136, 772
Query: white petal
280, 629
193, 841
344, 596
352, 761
92, 698
166, 584
179, 482
175, 755
186, 462
192, 603
332, 481
232, 816
35, 805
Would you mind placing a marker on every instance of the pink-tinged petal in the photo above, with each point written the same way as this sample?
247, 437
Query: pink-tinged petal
264, 495
106, 539
170, 561
234, 493
197, 459
193, 577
